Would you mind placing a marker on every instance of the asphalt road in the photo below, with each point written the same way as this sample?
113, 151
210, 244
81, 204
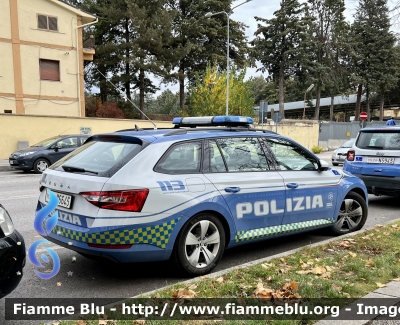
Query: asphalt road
92, 279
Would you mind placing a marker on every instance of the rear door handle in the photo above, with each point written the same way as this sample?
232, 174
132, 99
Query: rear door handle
377, 170
292, 185
232, 189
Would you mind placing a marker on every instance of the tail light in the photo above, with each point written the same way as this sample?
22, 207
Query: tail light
126, 200
350, 155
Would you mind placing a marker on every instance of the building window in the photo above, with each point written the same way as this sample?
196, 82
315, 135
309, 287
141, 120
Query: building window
47, 23
49, 70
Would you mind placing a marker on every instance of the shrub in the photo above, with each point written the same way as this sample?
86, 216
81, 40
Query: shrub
317, 149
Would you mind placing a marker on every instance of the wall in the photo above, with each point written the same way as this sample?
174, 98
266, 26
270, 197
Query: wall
33, 129
5, 23
305, 132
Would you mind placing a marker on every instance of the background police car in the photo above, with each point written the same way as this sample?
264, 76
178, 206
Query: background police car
189, 193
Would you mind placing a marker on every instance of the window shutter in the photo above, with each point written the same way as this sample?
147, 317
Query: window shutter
42, 22
49, 70
53, 24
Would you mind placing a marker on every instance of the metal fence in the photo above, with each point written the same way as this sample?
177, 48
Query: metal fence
344, 130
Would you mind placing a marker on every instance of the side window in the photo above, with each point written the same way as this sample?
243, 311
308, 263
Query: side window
67, 143
181, 158
82, 141
240, 155
289, 156
217, 162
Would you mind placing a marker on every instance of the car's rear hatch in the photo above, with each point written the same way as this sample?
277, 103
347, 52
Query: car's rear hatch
377, 152
79, 178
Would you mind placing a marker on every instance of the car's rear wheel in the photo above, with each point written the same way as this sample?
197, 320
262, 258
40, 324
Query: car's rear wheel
40, 165
352, 214
199, 245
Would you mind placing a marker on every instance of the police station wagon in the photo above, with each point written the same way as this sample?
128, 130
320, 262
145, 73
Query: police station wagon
190, 192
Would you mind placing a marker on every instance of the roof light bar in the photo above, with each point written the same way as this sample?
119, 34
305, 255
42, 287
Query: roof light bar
213, 121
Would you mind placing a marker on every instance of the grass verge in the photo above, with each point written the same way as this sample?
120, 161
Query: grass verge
348, 267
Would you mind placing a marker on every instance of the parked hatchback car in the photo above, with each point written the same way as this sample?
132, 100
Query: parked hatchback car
375, 158
45, 153
339, 155
188, 193
12, 254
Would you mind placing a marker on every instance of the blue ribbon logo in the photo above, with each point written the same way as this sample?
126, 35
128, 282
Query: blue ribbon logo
45, 220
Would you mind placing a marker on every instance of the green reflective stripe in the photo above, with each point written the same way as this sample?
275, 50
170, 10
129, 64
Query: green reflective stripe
281, 229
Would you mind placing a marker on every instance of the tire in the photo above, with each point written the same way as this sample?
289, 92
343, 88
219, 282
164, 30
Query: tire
335, 164
40, 165
353, 214
194, 256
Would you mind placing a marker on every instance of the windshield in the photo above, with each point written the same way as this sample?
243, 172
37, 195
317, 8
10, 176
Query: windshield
46, 142
348, 144
98, 157
379, 140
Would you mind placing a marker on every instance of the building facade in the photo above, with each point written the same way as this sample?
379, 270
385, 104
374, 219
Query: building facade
41, 58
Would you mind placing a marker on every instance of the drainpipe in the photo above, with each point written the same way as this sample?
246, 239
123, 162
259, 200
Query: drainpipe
78, 62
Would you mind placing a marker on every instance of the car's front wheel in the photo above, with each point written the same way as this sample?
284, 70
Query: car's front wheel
40, 165
199, 245
352, 214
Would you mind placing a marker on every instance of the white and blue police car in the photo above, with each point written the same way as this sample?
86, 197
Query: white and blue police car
189, 192
375, 158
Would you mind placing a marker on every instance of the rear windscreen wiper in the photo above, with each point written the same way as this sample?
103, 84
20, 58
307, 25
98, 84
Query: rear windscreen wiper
77, 169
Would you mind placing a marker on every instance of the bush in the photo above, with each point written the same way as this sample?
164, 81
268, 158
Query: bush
317, 149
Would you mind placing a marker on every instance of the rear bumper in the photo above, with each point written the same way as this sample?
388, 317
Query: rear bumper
121, 244
381, 185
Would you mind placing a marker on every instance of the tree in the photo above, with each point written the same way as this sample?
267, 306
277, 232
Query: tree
166, 103
281, 44
208, 96
374, 56
196, 41
328, 31
109, 110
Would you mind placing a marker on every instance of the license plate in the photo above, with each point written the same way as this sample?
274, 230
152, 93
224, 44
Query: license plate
380, 160
64, 200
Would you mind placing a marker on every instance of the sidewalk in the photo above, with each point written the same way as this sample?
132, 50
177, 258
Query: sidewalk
5, 166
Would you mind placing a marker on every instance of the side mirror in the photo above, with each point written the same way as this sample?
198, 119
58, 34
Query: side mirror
322, 165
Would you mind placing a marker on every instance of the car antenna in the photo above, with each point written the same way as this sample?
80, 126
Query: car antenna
64, 131
122, 94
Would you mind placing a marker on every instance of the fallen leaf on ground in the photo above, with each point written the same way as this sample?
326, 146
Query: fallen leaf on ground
183, 293
369, 263
397, 280
352, 254
220, 279
346, 294
139, 322
59, 284
318, 270
380, 285
204, 277
336, 287
262, 292
394, 226
192, 286
80, 322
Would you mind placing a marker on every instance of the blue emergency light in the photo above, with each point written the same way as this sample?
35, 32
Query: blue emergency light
213, 121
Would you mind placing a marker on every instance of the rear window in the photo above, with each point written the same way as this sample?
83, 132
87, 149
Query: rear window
379, 140
102, 158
